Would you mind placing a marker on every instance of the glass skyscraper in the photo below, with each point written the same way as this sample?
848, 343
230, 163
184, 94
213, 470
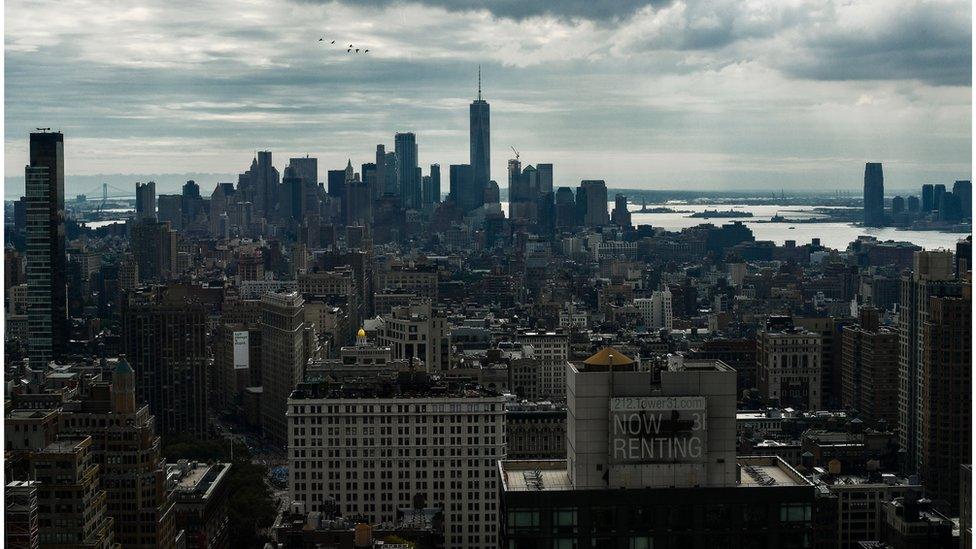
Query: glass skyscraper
406, 162
480, 146
47, 303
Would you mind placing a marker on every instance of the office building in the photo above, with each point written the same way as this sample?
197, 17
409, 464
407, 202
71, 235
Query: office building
621, 215
70, 499
284, 351
551, 350
963, 190
897, 205
938, 193
408, 182
432, 194
376, 446
928, 198
913, 204
264, 179
381, 177
789, 366
170, 210
480, 144
594, 194
47, 301
869, 369
200, 503
913, 523
945, 414
146, 201
645, 468
565, 209
418, 331
932, 276
857, 502
462, 187
154, 249
873, 195
127, 450
20, 515
307, 168
656, 311
164, 337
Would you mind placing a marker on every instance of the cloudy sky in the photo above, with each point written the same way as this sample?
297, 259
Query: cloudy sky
745, 94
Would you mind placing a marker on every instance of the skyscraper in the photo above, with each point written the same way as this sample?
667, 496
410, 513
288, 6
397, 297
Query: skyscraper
283, 355
480, 142
47, 302
267, 187
390, 174
928, 198
380, 186
932, 276
461, 176
596, 203
938, 191
946, 375
873, 195
964, 190
305, 167
164, 335
544, 175
434, 195
565, 209
146, 200
621, 216
406, 162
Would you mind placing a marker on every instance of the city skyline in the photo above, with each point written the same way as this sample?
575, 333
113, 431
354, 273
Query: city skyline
675, 94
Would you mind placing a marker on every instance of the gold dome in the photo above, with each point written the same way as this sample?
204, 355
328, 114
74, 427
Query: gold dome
361, 333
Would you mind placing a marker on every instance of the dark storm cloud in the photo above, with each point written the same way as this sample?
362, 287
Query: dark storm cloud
626, 91
598, 10
922, 43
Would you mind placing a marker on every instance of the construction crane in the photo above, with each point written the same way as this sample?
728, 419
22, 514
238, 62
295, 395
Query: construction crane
516, 153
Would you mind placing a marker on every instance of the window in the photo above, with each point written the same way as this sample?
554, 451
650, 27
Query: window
564, 520
523, 520
795, 512
641, 542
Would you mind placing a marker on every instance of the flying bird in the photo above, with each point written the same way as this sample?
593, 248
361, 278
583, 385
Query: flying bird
321, 39
367, 51
349, 50
333, 42
357, 50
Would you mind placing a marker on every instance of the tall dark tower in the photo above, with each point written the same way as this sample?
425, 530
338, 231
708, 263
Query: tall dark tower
480, 145
408, 183
873, 195
47, 309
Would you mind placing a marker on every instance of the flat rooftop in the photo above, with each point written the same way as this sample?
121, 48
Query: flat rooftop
552, 474
534, 475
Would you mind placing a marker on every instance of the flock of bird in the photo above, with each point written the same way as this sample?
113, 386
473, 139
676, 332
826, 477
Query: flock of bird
350, 49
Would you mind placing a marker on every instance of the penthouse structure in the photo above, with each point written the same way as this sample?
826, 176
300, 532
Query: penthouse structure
651, 463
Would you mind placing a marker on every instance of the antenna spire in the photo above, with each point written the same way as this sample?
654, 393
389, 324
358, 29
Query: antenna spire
479, 82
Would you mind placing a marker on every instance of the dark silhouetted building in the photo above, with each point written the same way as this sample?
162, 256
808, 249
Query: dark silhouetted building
164, 337
47, 310
594, 200
873, 195
408, 181
928, 198
146, 200
480, 143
